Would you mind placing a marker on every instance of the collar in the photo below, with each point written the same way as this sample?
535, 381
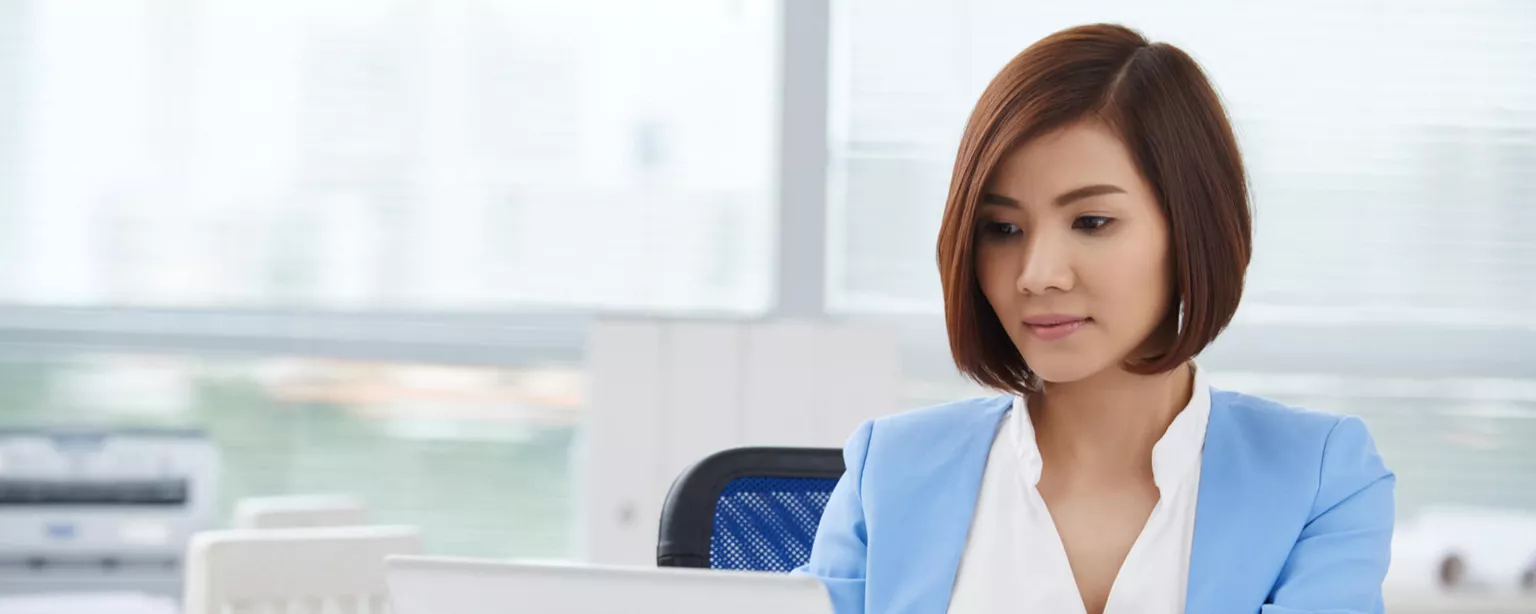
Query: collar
1177, 450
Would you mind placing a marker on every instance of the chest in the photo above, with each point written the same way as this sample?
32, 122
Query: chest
1097, 527
1075, 550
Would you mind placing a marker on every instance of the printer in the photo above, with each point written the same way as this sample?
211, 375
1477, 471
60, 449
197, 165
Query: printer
85, 510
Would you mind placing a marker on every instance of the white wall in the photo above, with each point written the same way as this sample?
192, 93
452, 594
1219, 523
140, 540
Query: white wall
667, 393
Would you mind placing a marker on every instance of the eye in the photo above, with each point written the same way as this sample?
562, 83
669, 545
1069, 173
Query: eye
999, 230
1092, 223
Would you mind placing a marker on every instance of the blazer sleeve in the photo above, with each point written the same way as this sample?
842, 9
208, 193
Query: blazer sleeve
839, 553
1341, 557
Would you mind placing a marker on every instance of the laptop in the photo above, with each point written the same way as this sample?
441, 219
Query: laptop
441, 585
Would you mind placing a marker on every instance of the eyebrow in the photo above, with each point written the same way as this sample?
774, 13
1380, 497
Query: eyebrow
1063, 200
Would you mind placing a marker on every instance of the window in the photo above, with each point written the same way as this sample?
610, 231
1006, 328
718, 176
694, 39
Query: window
477, 456
472, 154
199, 199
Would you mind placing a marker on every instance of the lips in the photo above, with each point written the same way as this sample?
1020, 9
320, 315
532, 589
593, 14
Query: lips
1055, 326
1052, 320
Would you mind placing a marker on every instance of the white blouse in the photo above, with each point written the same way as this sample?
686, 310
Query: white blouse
1014, 560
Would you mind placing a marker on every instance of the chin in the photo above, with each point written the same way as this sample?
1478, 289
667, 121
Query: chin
1064, 370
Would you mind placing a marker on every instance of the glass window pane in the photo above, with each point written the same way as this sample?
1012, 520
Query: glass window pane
479, 458
398, 153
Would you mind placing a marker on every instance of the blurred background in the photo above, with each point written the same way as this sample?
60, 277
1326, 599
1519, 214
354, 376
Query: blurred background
361, 244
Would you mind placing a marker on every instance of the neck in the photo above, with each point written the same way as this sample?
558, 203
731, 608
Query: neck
1109, 421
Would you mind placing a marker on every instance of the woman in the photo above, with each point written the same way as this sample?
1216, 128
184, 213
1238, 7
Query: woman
1094, 241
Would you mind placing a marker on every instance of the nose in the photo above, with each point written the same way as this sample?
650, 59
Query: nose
1047, 266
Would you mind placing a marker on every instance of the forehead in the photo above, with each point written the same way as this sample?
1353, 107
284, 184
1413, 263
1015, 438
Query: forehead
1083, 153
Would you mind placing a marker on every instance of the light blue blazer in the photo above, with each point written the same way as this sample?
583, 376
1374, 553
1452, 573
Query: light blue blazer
1294, 512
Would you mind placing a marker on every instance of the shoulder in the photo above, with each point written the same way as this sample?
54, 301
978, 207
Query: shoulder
935, 424
946, 414
1262, 420
1273, 419
938, 431
1325, 450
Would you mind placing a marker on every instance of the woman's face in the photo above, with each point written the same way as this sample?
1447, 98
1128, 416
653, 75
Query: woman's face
1072, 253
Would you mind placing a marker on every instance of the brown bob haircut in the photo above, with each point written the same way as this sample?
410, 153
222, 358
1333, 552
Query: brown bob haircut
1169, 117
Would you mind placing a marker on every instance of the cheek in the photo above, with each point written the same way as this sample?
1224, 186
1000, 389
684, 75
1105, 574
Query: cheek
996, 272
1134, 281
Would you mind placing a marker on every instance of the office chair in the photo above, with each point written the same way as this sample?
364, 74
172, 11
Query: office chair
748, 509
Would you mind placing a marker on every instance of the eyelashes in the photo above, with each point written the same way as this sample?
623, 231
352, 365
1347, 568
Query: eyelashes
1000, 230
1092, 223
1087, 224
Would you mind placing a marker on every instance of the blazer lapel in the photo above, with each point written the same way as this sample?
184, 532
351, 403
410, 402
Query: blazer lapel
1228, 557
929, 534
